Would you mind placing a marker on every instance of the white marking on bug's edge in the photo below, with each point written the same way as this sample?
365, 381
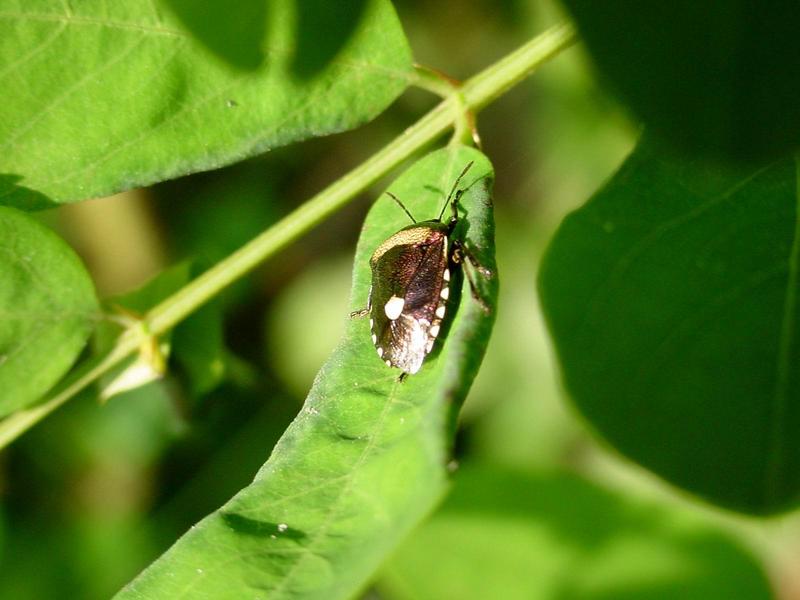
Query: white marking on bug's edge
446, 275
434, 331
429, 346
371, 323
394, 306
388, 363
445, 293
440, 311
374, 339
380, 352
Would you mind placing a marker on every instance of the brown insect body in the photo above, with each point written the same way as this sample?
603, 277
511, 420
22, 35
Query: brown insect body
411, 285
407, 300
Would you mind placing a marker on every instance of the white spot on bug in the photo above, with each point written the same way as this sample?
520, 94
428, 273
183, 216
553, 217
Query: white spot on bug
380, 351
434, 331
429, 345
388, 363
440, 311
374, 339
371, 323
445, 293
446, 275
394, 307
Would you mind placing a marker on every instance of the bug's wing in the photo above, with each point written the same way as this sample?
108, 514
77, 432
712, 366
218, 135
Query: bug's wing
407, 281
405, 340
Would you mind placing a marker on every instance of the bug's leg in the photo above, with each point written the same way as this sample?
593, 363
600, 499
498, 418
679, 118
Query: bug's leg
402, 377
357, 314
476, 264
459, 253
474, 290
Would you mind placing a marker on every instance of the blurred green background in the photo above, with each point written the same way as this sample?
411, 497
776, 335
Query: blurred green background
541, 508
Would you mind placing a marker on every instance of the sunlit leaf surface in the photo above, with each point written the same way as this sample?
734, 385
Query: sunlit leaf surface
112, 95
47, 308
367, 456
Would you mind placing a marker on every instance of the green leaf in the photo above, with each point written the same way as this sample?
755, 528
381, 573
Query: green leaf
720, 78
321, 29
513, 535
105, 96
672, 300
48, 307
366, 458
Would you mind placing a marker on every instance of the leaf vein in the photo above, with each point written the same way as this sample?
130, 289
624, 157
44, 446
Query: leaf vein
68, 92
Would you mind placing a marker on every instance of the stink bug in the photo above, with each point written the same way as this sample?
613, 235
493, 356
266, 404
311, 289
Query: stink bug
411, 272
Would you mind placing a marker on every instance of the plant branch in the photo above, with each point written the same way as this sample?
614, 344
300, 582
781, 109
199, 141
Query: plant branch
473, 95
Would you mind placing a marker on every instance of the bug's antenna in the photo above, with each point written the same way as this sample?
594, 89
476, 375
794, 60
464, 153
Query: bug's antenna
396, 199
455, 186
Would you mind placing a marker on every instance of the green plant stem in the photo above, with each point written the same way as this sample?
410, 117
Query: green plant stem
476, 93
434, 81
448, 88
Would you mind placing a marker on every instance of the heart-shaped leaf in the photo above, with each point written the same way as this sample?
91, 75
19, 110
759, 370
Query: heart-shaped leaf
367, 457
672, 298
47, 308
104, 96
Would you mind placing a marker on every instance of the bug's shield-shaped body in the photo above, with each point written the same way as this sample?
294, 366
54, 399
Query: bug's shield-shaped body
409, 291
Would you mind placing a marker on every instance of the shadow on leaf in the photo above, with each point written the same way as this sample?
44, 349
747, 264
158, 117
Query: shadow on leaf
256, 528
237, 33
323, 29
233, 31
12, 194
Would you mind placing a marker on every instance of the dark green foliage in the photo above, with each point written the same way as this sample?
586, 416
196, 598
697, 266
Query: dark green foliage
530, 543
672, 299
716, 78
